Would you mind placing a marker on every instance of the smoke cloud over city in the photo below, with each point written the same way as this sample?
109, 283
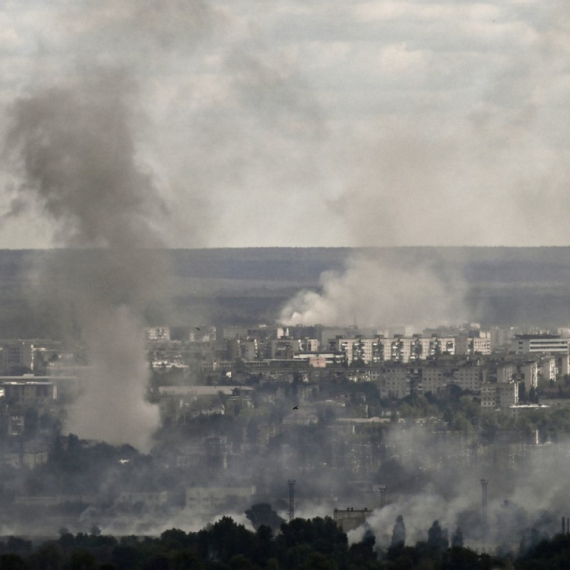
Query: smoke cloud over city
78, 145
75, 151
373, 292
134, 127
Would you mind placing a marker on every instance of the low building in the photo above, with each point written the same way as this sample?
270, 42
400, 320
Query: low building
531, 343
151, 500
209, 499
349, 519
433, 379
301, 417
320, 359
55, 500
499, 395
468, 377
26, 456
521, 409
157, 334
24, 389
392, 381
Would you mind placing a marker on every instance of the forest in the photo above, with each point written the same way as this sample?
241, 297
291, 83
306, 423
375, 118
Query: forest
250, 285
315, 544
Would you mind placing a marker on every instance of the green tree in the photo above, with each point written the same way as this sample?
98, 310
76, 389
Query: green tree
460, 559
186, 559
318, 561
126, 556
457, 538
12, 562
48, 557
240, 562
82, 560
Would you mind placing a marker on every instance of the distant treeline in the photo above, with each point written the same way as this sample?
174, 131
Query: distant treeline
250, 285
316, 544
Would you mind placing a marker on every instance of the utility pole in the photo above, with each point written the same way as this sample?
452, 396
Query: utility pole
381, 489
291, 484
484, 502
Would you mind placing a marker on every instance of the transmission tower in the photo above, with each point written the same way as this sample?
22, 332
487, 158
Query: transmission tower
381, 490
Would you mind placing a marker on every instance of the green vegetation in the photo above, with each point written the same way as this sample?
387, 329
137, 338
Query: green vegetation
316, 544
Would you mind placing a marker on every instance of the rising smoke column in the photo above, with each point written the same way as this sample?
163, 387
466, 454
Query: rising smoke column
373, 291
74, 150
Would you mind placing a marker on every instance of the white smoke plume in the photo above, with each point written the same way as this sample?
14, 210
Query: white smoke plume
524, 490
373, 292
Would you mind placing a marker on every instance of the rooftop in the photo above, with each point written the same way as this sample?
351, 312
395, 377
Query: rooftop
537, 336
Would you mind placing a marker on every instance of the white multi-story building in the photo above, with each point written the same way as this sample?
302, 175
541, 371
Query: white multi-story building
547, 368
394, 349
365, 350
528, 343
501, 337
475, 342
157, 334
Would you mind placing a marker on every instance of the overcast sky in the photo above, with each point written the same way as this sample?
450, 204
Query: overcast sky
319, 122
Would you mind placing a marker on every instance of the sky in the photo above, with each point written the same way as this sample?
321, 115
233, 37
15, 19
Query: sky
314, 123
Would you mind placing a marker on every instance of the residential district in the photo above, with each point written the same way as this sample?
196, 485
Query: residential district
335, 421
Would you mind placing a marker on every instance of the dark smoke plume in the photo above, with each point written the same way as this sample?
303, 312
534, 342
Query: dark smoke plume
74, 150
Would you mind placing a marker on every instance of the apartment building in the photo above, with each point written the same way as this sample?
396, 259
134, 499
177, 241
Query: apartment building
469, 377
474, 342
433, 379
394, 349
499, 395
392, 381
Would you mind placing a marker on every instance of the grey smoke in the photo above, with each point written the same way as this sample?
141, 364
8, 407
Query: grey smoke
74, 149
86, 154
527, 494
373, 292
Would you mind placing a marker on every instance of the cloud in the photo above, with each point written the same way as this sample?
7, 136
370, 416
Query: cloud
253, 105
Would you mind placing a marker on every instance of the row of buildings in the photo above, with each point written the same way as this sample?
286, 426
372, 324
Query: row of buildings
399, 380
214, 348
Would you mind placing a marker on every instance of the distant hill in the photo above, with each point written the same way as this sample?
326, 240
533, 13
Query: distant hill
250, 285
